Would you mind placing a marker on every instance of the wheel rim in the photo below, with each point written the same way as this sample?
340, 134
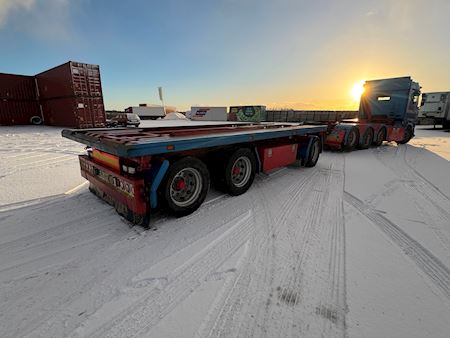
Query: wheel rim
241, 171
186, 187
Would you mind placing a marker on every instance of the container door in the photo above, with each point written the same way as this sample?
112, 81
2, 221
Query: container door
79, 79
93, 80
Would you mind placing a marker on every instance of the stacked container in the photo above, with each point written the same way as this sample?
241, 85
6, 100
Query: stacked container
18, 100
71, 96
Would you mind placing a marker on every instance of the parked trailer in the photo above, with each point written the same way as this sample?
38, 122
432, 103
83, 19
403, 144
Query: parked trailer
138, 170
436, 106
147, 112
208, 113
388, 112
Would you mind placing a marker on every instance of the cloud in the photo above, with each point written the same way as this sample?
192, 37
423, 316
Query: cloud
42, 19
9, 6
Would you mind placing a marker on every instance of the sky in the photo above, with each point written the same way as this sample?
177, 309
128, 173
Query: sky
283, 54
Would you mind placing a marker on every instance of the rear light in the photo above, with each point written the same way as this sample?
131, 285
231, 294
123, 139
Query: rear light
128, 169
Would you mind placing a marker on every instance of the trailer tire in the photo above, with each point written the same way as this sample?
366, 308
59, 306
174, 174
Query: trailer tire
367, 139
185, 186
351, 140
314, 153
408, 135
239, 172
381, 136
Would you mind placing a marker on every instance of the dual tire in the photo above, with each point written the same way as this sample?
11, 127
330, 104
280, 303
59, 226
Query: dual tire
187, 180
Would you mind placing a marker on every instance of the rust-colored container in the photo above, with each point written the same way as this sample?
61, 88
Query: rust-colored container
18, 112
17, 87
74, 112
70, 79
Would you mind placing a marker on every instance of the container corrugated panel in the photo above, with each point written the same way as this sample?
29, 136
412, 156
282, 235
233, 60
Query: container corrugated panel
70, 79
17, 87
18, 112
74, 112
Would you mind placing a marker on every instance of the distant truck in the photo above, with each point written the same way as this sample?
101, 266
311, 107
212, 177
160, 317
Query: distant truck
387, 112
436, 106
208, 113
147, 112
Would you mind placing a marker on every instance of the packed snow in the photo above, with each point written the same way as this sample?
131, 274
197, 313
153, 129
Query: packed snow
358, 246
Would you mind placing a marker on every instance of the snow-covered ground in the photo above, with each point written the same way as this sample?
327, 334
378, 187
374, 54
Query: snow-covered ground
358, 246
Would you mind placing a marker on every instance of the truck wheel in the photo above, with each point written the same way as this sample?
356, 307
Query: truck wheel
352, 139
408, 135
381, 136
313, 153
239, 172
367, 139
186, 186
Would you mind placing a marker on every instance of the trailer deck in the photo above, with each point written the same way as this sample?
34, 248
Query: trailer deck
132, 142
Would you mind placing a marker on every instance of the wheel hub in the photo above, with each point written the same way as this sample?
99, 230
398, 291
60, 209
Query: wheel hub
186, 187
241, 171
180, 184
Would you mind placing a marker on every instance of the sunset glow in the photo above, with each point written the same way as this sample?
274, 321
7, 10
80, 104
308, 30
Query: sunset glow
358, 90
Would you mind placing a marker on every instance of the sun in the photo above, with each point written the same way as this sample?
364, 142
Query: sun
358, 90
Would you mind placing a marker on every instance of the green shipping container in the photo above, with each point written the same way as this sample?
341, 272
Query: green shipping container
248, 113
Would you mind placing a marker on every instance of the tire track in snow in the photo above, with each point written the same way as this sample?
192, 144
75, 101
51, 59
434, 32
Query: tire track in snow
437, 272
318, 276
125, 260
138, 318
423, 194
223, 321
246, 310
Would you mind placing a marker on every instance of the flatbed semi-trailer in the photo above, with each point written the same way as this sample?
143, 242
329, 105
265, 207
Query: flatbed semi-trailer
139, 170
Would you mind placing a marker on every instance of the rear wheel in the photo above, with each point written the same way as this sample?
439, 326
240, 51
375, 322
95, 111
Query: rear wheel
367, 139
408, 135
381, 136
352, 139
314, 153
239, 172
186, 186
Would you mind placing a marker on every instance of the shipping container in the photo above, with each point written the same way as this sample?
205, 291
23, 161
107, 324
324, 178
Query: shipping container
74, 112
19, 112
17, 87
70, 79
208, 113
